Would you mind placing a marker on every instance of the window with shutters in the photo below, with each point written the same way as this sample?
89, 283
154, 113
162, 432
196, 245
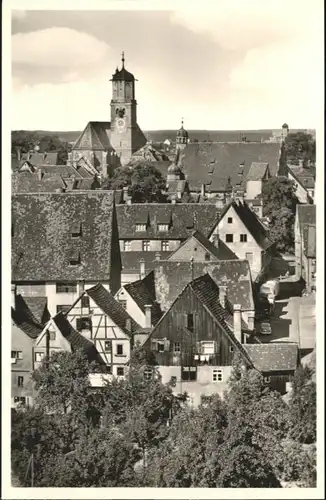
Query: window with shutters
85, 301
160, 345
107, 346
83, 324
189, 373
218, 375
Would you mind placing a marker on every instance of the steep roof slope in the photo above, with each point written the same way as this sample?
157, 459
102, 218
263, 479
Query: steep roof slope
95, 136
43, 244
220, 252
143, 296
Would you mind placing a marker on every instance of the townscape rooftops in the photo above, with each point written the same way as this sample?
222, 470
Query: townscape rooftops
143, 296
257, 171
273, 356
110, 306
75, 339
172, 276
43, 240
183, 218
131, 261
306, 214
38, 159
213, 163
222, 252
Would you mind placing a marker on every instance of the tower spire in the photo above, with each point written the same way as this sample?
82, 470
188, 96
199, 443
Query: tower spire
182, 122
123, 59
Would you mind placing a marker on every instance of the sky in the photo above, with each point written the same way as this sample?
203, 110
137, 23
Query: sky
233, 65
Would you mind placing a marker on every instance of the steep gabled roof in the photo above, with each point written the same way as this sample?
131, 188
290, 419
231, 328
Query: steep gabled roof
96, 137
142, 293
251, 221
107, 303
257, 171
222, 252
34, 307
273, 356
185, 217
23, 318
75, 339
172, 276
42, 239
26, 183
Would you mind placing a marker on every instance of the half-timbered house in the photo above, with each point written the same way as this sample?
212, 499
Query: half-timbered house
103, 320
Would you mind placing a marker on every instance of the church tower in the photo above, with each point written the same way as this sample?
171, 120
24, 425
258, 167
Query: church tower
125, 137
182, 138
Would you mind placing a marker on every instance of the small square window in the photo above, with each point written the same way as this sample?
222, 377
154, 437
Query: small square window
207, 256
165, 246
20, 381
217, 376
160, 346
229, 238
123, 303
16, 354
52, 335
120, 371
148, 374
127, 246
107, 345
83, 324
243, 238
230, 220
119, 350
39, 356
177, 347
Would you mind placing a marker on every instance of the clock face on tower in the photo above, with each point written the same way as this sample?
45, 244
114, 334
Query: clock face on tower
120, 124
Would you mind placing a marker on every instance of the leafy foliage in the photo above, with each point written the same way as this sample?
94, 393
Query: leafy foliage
145, 182
302, 406
26, 141
279, 205
300, 146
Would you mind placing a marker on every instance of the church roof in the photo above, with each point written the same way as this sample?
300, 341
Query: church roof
182, 132
96, 137
123, 74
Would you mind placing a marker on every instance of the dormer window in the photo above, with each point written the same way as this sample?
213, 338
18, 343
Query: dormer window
163, 227
76, 230
74, 258
140, 228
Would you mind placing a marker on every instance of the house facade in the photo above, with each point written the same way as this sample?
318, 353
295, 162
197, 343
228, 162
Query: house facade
305, 244
104, 321
240, 229
63, 243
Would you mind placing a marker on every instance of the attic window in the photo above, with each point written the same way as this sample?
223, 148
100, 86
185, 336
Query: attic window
190, 224
211, 170
141, 228
76, 230
163, 227
74, 258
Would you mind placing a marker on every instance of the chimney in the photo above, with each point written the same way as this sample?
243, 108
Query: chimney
28, 155
173, 199
142, 269
125, 195
237, 322
157, 256
251, 320
202, 190
148, 316
215, 239
44, 155
223, 295
39, 174
128, 324
129, 201
301, 163
81, 287
13, 296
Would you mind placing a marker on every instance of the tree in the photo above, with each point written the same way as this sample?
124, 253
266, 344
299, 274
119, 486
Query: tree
300, 146
302, 407
145, 182
279, 205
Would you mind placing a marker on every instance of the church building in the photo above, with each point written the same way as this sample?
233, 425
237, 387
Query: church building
106, 145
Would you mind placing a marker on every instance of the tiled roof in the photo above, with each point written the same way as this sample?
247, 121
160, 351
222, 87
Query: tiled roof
96, 137
213, 163
309, 240
184, 218
36, 305
304, 177
257, 171
306, 214
76, 339
251, 221
142, 295
222, 252
123, 75
107, 303
65, 171
23, 319
131, 261
171, 277
178, 186
37, 159
42, 236
25, 182
273, 357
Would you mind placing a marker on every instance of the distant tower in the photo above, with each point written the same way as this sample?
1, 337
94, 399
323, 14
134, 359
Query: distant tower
174, 173
285, 131
182, 138
126, 137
